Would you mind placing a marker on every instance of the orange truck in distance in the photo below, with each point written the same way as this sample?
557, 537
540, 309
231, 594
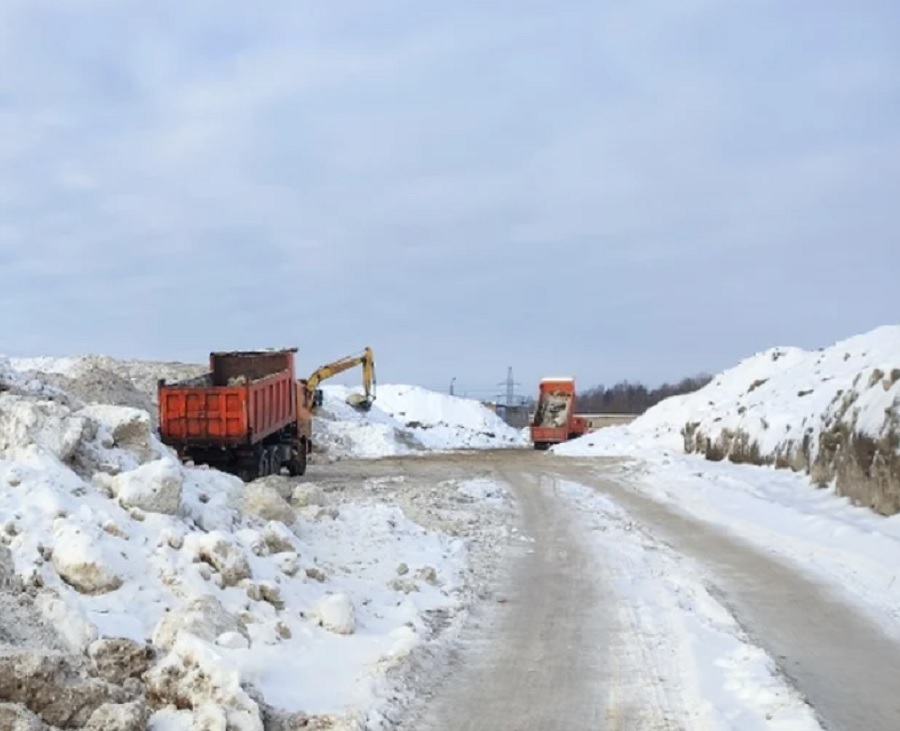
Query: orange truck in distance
555, 420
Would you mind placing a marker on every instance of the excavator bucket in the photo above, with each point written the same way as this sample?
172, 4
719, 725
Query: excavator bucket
359, 401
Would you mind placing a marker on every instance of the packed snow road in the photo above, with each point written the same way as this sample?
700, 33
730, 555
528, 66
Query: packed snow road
612, 611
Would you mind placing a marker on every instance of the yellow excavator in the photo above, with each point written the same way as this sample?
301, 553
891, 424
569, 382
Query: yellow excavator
361, 402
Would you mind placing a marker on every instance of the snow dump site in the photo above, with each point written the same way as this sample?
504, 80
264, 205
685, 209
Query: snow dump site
726, 561
139, 593
795, 452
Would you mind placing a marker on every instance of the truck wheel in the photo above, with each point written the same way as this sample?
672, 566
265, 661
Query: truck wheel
297, 466
264, 465
274, 458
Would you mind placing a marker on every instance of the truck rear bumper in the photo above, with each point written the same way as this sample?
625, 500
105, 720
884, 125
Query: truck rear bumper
548, 435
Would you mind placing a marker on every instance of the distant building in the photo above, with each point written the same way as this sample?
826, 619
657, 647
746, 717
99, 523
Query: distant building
599, 421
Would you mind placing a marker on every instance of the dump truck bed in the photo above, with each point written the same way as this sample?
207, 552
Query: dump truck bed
554, 418
245, 398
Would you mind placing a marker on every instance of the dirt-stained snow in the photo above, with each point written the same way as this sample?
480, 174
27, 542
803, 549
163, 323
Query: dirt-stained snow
259, 602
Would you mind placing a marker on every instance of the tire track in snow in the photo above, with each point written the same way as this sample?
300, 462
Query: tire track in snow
682, 661
538, 662
844, 664
641, 683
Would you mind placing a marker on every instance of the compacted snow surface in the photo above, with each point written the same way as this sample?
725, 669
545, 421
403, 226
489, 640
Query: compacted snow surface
686, 651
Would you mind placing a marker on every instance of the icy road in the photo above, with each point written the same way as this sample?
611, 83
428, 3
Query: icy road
610, 610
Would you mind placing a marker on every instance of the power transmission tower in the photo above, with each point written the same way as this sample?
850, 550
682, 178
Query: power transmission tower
510, 384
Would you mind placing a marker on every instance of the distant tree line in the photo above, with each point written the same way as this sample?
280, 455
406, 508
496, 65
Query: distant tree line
635, 398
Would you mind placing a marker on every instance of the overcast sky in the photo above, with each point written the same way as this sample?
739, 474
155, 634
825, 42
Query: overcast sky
599, 188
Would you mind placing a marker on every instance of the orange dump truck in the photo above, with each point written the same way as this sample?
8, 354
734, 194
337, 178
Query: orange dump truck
555, 420
248, 416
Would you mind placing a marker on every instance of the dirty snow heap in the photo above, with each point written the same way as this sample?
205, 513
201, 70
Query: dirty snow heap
833, 414
136, 590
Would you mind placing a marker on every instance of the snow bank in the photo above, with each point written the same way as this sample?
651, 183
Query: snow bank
302, 613
849, 548
407, 420
832, 413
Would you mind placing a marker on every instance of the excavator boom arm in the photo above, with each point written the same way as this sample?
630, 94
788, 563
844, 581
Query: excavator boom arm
366, 360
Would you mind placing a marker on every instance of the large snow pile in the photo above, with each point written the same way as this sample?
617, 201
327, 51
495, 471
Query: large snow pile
141, 374
409, 419
834, 413
339, 430
98, 379
183, 594
405, 419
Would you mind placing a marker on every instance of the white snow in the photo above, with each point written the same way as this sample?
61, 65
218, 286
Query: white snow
64, 366
776, 397
154, 487
336, 614
407, 420
82, 558
143, 375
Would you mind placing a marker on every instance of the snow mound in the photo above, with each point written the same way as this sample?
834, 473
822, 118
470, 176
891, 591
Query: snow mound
341, 431
83, 372
101, 380
832, 413
409, 419
446, 422
253, 605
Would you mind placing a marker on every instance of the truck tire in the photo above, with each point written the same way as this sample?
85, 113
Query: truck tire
265, 463
275, 459
297, 466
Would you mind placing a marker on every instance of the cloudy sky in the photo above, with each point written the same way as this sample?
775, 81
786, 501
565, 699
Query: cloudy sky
591, 187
